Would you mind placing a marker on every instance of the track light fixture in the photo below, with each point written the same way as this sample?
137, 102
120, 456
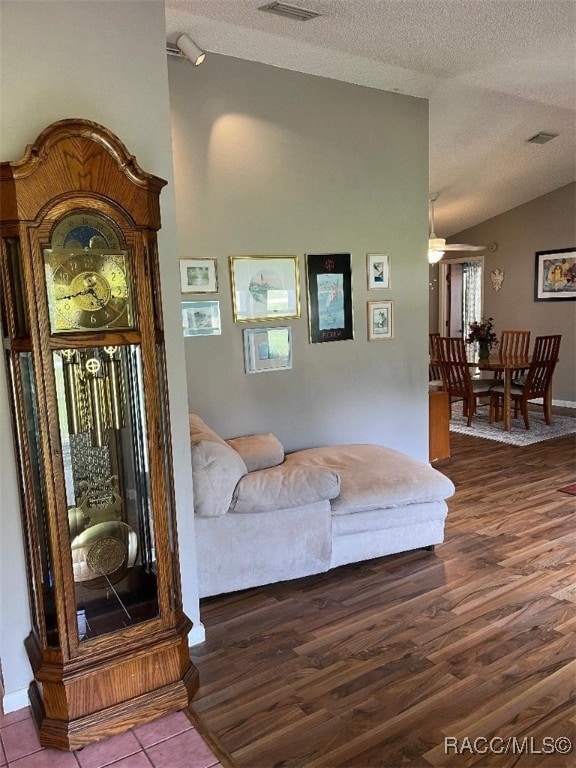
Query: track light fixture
191, 50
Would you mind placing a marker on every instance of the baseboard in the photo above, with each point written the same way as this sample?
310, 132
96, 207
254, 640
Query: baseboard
196, 635
564, 403
558, 403
15, 701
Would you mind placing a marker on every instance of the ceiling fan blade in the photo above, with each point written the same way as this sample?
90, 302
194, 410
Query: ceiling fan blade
464, 247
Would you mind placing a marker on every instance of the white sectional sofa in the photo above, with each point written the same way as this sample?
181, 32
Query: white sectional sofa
262, 516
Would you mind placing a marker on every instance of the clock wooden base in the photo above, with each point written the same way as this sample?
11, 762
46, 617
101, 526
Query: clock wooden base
82, 702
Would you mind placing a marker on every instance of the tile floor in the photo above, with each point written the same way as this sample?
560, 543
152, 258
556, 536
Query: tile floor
170, 742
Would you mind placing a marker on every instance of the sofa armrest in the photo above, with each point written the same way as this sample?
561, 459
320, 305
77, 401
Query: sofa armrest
216, 469
284, 487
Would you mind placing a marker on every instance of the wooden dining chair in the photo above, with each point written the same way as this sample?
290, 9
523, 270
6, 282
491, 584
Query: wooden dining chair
456, 376
537, 383
514, 344
434, 375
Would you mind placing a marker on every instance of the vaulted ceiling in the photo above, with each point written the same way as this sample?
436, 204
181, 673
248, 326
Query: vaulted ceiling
496, 72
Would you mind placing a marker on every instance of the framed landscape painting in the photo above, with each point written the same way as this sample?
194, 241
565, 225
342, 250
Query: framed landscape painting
264, 288
555, 275
201, 318
329, 277
198, 276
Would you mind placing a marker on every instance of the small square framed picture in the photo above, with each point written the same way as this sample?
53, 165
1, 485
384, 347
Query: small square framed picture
201, 318
265, 287
380, 320
378, 270
198, 276
267, 349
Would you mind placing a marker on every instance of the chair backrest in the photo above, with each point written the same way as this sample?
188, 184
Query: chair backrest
544, 359
432, 339
514, 343
433, 367
454, 365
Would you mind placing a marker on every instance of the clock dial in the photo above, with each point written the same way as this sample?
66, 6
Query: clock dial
87, 275
89, 291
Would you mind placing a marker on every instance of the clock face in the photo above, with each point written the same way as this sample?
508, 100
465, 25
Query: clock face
89, 291
87, 276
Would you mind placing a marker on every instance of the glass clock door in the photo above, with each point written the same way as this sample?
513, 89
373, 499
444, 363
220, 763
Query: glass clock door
104, 447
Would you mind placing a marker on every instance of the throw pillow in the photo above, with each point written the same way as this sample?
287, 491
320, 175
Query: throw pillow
258, 451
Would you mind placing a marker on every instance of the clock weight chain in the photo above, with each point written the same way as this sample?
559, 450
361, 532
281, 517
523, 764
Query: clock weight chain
103, 545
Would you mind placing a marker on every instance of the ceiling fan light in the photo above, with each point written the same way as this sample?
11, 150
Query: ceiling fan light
434, 255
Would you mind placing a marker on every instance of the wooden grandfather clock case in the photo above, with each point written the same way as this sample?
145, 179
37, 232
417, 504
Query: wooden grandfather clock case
83, 344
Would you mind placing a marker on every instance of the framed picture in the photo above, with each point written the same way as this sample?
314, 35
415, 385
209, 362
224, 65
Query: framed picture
380, 320
329, 279
555, 275
267, 349
378, 270
201, 318
265, 287
198, 276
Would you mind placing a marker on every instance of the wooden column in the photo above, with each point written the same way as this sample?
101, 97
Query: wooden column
438, 424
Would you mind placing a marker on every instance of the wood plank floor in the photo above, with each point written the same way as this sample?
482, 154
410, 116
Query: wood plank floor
375, 664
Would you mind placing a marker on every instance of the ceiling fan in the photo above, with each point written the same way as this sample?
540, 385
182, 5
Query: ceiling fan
437, 246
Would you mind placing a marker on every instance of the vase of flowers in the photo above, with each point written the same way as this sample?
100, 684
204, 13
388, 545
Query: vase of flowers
483, 333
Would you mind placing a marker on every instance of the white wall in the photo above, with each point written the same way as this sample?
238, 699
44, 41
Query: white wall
269, 161
104, 61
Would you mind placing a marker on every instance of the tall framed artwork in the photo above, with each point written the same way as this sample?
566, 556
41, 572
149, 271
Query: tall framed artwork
329, 280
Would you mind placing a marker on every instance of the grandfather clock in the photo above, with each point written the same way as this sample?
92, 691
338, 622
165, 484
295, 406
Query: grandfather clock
83, 344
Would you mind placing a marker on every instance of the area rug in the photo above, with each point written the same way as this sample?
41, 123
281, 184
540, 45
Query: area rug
571, 489
539, 430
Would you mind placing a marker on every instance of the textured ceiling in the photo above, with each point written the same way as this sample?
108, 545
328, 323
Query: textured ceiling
495, 72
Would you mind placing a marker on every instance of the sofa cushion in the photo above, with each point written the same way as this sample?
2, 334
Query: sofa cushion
284, 487
374, 477
216, 470
258, 451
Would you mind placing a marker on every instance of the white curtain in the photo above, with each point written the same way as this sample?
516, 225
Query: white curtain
471, 294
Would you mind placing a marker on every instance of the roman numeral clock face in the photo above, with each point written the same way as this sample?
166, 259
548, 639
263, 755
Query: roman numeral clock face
87, 276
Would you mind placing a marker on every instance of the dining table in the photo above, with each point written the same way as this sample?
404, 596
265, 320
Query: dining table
507, 365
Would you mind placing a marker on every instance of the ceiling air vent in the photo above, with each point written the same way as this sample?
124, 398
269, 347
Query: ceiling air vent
289, 11
542, 138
